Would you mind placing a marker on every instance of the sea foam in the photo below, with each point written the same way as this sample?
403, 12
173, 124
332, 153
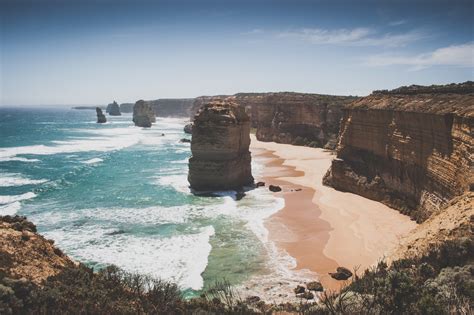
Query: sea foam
12, 179
10, 199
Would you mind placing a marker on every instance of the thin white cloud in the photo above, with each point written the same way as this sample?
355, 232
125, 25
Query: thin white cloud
255, 31
397, 23
455, 55
361, 36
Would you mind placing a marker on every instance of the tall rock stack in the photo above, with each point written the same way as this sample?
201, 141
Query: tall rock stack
220, 148
143, 115
100, 116
114, 109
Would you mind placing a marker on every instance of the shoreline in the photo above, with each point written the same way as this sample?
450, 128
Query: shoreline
320, 227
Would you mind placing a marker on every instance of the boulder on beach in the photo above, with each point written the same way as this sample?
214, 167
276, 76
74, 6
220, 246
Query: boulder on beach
274, 188
315, 286
341, 273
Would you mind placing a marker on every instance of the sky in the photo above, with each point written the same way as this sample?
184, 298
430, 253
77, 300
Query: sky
92, 52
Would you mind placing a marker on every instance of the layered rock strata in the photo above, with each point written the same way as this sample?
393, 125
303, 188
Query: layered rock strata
292, 118
113, 109
220, 148
172, 107
410, 148
100, 116
143, 114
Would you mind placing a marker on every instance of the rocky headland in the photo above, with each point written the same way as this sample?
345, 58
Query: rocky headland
25, 254
100, 116
126, 107
143, 114
410, 148
220, 148
113, 109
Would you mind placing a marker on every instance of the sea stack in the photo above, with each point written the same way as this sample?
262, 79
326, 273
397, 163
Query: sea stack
220, 148
100, 116
113, 109
143, 115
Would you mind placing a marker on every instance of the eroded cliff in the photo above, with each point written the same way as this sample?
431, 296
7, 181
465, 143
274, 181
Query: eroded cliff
410, 148
220, 148
287, 117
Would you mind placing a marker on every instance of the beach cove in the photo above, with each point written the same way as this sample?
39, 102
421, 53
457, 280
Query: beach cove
320, 227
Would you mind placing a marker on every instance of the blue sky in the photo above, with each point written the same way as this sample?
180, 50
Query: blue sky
92, 52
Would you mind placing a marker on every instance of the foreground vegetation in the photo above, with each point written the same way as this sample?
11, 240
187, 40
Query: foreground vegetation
441, 282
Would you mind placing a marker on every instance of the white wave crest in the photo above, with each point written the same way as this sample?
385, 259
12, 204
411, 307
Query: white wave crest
10, 209
10, 199
10, 180
93, 161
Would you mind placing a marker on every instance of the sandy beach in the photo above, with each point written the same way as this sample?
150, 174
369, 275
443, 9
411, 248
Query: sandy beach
320, 227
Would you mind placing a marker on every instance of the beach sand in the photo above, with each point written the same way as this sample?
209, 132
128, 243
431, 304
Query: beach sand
320, 227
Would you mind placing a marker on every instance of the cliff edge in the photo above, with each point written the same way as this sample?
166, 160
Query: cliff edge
410, 148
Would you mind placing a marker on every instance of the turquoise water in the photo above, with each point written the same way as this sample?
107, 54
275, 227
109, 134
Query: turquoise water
118, 194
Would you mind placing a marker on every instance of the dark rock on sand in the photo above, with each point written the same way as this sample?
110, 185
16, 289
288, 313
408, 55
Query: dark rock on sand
315, 286
274, 188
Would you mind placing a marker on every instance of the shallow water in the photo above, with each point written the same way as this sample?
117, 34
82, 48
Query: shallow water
117, 194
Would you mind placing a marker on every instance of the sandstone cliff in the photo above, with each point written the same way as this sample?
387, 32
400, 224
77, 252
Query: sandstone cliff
172, 107
143, 115
26, 254
287, 117
100, 116
113, 109
220, 148
410, 148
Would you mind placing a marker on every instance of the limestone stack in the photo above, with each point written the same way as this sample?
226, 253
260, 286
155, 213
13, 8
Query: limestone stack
100, 116
143, 115
411, 148
220, 148
114, 109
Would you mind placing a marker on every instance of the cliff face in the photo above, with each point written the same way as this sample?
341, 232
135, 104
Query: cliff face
26, 254
143, 115
301, 119
220, 148
294, 118
172, 107
126, 107
410, 148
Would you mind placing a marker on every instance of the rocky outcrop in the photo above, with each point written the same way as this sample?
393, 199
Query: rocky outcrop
220, 148
188, 128
100, 116
113, 109
26, 254
410, 148
143, 115
286, 117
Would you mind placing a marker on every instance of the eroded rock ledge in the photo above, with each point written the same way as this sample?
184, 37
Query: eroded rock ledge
410, 148
220, 148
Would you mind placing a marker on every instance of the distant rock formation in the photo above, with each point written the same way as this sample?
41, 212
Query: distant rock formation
410, 148
220, 148
143, 115
113, 109
172, 107
87, 107
126, 107
100, 116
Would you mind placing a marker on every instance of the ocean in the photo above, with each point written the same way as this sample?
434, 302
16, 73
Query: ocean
118, 194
